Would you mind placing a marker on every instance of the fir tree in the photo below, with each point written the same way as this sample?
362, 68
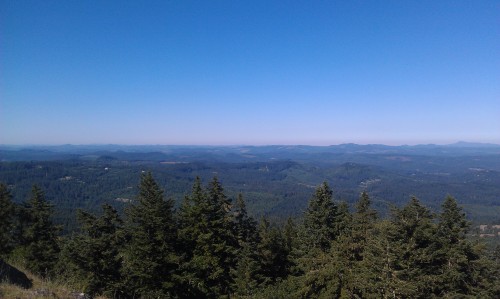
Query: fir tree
415, 246
207, 236
379, 265
273, 254
6, 220
40, 235
245, 227
460, 271
247, 270
150, 259
350, 248
292, 244
493, 285
363, 221
95, 253
320, 225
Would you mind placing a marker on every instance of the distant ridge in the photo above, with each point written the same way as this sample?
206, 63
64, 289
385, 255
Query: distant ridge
235, 153
473, 144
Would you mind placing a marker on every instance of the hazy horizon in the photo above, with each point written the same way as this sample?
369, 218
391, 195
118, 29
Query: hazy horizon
460, 142
252, 73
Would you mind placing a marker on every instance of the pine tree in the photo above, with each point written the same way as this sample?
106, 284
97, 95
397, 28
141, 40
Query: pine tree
493, 284
323, 224
208, 241
273, 254
247, 269
40, 236
95, 253
150, 258
350, 248
415, 246
363, 221
245, 227
343, 219
320, 225
290, 232
379, 265
6, 220
292, 246
247, 272
460, 269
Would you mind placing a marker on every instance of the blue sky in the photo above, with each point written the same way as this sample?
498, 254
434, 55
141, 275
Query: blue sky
249, 72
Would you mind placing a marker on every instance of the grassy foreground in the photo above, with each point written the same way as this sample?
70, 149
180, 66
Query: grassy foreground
38, 288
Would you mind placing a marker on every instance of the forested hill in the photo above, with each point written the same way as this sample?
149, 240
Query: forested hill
211, 248
276, 180
238, 153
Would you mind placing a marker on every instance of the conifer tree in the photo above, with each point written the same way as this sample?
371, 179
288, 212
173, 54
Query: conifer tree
363, 221
343, 219
292, 244
245, 227
415, 247
273, 254
150, 258
6, 220
379, 265
95, 253
460, 260
207, 235
493, 285
40, 235
350, 248
320, 225
290, 232
247, 270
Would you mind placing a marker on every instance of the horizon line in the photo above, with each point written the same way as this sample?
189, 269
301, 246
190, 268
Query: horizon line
247, 144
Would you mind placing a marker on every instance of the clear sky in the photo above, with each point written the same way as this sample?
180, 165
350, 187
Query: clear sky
249, 72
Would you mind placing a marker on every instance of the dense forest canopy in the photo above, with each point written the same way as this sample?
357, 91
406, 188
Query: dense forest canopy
276, 180
210, 248
255, 222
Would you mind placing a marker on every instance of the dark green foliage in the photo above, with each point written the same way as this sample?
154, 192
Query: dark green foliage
212, 249
94, 254
362, 223
40, 234
273, 254
343, 219
379, 265
6, 220
277, 187
209, 246
149, 258
247, 272
493, 285
460, 265
320, 225
349, 250
245, 227
291, 235
415, 244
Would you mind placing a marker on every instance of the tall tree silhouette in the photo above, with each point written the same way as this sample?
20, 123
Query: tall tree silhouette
40, 235
208, 242
150, 258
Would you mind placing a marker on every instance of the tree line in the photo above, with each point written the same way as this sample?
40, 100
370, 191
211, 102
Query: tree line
211, 248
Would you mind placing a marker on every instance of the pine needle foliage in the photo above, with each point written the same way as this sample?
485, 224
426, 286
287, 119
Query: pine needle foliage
149, 259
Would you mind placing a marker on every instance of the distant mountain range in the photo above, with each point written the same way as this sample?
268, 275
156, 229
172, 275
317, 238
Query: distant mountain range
245, 153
